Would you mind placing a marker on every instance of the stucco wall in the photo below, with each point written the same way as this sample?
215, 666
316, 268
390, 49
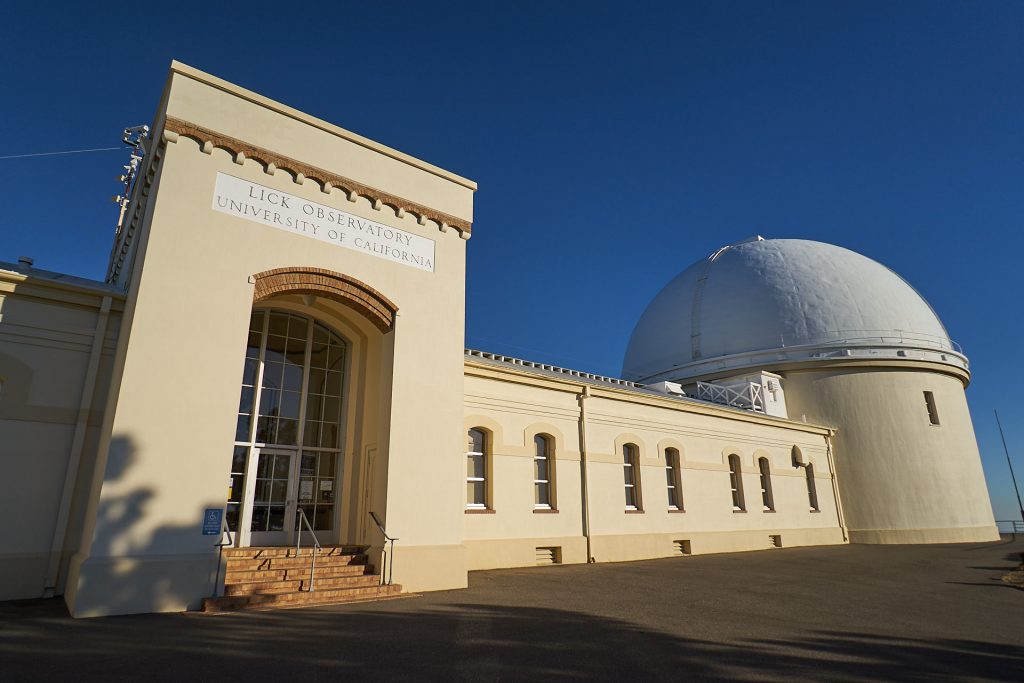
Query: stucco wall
513, 406
902, 479
50, 411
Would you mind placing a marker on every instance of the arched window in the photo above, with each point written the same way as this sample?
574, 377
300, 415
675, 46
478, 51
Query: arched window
736, 482
631, 474
812, 490
476, 469
543, 473
672, 479
767, 500
290, 423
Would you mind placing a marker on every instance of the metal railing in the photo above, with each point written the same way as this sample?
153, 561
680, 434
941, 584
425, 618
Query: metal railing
1010, 526
298, 545
389, 557
220, 557
747, 395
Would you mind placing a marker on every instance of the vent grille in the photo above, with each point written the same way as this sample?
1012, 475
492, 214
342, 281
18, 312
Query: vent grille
551, 555
681, 547
775, 541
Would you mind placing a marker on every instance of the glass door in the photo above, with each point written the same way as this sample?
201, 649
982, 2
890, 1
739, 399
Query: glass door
273, 498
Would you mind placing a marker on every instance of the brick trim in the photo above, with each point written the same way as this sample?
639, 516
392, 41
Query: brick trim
327, 180
345, 290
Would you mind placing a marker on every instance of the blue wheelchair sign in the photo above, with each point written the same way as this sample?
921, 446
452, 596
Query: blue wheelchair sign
212, 521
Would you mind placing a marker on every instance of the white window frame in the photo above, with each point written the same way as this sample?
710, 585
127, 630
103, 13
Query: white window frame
765, 473
631, 464
549, 462
673, 481
812, 488
483, 458
739, 504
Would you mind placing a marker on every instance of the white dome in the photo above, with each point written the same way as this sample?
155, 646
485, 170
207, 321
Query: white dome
763, 302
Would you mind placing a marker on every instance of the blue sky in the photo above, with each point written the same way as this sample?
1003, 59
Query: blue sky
613, 144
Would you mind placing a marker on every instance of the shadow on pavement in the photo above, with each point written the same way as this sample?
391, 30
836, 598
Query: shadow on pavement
458, 641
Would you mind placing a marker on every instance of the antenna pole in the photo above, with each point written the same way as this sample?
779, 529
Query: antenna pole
1007, 451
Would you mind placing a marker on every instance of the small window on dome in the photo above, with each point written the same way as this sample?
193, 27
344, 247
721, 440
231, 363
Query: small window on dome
929, 402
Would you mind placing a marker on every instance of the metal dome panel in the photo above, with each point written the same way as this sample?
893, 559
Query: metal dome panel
785, 299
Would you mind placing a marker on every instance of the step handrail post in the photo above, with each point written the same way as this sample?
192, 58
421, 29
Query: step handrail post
389, 556
316, 545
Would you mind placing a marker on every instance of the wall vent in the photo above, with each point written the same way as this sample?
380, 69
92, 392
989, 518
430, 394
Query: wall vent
775, 541
681, 548
546, 556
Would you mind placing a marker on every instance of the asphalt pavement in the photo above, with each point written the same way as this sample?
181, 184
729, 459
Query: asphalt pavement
841, 613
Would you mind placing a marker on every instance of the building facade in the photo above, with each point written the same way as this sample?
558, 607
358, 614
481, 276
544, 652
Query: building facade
280, 338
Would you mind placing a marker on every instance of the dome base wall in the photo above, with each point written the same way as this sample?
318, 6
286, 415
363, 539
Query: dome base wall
980, 534
902, 478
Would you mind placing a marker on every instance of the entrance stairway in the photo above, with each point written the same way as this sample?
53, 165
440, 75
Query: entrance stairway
263, 578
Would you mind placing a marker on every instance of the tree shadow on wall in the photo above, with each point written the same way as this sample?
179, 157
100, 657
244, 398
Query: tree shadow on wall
403, 641
123, 540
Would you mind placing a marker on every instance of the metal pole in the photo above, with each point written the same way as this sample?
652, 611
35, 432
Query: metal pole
1007, 451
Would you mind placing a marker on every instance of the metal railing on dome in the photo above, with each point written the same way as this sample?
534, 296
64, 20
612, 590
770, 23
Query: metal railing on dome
1010, 526
747, 395
885, 337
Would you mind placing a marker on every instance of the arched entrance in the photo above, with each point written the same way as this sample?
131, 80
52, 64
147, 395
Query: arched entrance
288, 435
316, 341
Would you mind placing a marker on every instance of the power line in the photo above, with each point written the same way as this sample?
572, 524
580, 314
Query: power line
70, 151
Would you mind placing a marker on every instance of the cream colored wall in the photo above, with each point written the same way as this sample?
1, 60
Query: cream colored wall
513, 406
169, 429
902, 479
49, 334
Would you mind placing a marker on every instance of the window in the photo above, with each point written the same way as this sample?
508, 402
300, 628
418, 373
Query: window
767, 501
812, 491
476, 470
672, 482
542, 473
631, 476
736, 482
292, 395
929, 402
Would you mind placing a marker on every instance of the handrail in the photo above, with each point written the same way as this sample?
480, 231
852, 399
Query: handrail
220, 545
316, 545
389, 559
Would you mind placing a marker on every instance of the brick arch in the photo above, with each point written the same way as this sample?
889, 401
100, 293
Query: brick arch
345, 290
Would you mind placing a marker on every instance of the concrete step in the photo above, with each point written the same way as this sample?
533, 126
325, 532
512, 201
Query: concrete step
249, 576
300, 599
337, 560
270, 587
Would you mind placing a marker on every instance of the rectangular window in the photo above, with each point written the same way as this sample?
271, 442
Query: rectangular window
929, 402
630, 477
476, 470
812, 490
767, 500
736, 483
542, 499
672, 479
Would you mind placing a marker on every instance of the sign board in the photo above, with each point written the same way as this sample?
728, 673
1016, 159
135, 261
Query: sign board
212, 521
261, 204
306, 489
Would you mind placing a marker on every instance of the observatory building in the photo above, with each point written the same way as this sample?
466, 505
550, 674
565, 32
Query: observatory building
267, 402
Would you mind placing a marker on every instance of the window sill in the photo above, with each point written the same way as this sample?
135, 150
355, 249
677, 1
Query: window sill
479, 511
768, 511
634, 512
815, 512
544, 511
739, 512
674, 510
